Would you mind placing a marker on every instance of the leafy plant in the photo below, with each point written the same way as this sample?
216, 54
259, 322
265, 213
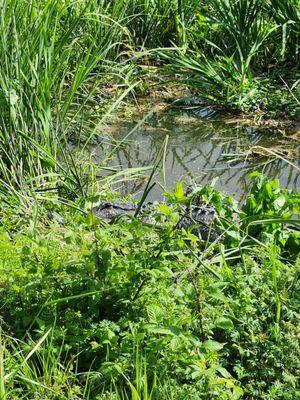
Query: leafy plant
233, 60
157, 313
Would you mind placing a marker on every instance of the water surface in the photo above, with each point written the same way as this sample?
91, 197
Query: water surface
201, 150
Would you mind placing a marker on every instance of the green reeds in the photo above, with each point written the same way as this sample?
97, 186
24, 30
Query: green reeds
236, 51
52, 57
287, 15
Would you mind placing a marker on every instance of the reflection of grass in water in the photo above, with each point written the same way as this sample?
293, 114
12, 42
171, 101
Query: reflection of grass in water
209, 148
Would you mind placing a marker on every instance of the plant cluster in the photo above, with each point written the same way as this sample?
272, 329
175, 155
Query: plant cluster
240, 52
129, 310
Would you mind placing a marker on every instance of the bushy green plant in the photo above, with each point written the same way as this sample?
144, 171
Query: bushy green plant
267, 208
158, 310
234, 57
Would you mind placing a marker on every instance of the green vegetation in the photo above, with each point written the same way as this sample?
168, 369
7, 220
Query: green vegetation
135, 310
128, 311
244, 55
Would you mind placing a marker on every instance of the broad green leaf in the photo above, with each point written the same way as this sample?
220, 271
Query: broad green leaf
279, 202
179, 192
163, 330
212, 345
165, 209
224, 323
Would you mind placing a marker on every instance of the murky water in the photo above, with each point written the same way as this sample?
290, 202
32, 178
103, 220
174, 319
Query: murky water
201, 150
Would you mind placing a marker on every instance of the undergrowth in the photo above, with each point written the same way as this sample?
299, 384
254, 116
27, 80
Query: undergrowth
131, 310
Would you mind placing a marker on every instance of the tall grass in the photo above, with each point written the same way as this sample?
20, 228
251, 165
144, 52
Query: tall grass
232, 48
155, 23
287, 15
52, 56
41, 369
35, 369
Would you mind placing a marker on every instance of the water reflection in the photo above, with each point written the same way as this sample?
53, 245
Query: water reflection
200, 150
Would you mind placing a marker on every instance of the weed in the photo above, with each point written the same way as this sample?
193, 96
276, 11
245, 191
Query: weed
142, 313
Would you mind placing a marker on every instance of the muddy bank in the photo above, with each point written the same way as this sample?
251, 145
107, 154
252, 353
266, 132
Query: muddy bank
156, 92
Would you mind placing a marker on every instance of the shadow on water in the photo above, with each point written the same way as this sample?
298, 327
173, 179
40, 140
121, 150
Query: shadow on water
200, 150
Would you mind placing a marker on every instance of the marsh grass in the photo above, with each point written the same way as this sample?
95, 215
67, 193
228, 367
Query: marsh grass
49, 53
36, 368
287, 16
240, 50
55, 57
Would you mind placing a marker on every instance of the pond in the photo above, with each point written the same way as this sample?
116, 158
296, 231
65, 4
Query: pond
201, 149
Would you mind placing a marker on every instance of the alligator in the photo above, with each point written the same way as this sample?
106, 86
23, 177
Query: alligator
194, 216
110, 211
197, 217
